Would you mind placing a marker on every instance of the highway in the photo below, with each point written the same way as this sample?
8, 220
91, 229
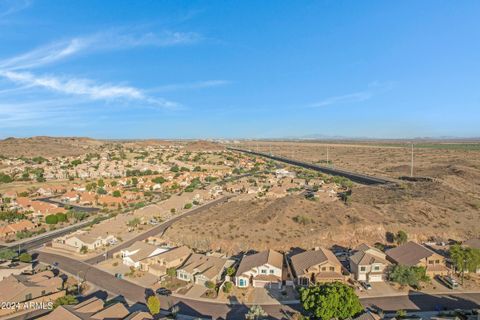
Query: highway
353, 176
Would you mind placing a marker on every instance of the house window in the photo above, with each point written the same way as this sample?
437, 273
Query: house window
332, 269
264, 271
362, 268
28, 296
272, 271
437, 261
376, 268
242, 283
430, 261
324, 269
43, 292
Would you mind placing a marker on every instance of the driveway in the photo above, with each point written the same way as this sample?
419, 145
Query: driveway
379, 289
196, 291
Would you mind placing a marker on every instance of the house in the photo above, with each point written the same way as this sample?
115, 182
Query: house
159, 264
368, 264
83, 239
14, 268
20, 288
137, 252
263, 269
201, 268
414, 254
316, 266
93, 308
12, 228
70, 197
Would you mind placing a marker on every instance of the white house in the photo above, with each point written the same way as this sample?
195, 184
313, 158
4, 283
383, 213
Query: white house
263, 269
133, 255
368, 264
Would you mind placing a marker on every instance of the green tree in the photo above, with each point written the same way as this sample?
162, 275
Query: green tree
401, 237
256, 313
116, 194
153, 305
101, 183
65, 300
61, 217
7, 254
209, 284
465, 258
83, 249
25, 257
408, 275
113, 183
51, 219
231, 271
171, 272
330, 300
227, 287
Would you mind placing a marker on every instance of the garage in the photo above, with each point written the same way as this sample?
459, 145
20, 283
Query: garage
375, 278
261, 284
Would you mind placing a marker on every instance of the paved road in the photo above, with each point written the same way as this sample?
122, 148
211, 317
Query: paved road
67, 205
425, 302
38, 241
133, 293
159, 229
355, 177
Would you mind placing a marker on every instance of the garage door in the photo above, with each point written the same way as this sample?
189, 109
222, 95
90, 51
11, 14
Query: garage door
375, 278
260, 284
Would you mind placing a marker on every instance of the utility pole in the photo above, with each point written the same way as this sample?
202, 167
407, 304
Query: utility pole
327, 155
411, 166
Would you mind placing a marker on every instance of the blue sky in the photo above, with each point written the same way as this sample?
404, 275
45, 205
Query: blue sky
213, 69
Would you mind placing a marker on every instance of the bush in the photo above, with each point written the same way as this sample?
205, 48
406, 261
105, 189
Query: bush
401, 237
302, 220
25, 257
51, 219
405, 275
65, 300
188, 206
61, 217
227, 287
116, 194
153, 305
209, 284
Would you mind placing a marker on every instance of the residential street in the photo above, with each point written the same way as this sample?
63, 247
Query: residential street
157, 230
133, 293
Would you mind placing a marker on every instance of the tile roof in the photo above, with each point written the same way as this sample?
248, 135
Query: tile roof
409, 254
270, 257
302, 261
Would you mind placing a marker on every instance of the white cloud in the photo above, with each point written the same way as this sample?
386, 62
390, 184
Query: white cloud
108, 40
84, 87
8, 7
347, 98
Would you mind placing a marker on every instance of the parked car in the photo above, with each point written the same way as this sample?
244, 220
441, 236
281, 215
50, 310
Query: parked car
163, 291
366, 285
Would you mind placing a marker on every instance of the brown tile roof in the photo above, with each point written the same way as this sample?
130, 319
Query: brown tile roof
302, 261
367, 255
271, 257
409, 254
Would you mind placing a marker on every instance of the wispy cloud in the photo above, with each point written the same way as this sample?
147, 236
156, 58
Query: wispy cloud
374, 88
84, 87
102, 41
8, 7
18, 69
190, 86
347, 98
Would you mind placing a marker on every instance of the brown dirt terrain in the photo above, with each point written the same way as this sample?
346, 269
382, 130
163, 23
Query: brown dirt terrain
447, 207
47, 146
